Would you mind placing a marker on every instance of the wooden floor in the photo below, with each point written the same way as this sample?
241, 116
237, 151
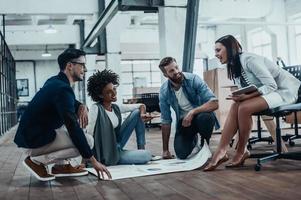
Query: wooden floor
279, 179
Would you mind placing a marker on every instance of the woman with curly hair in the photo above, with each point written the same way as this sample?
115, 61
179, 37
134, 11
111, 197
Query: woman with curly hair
105, 122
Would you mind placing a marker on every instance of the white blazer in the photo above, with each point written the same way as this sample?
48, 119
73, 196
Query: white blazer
277, 86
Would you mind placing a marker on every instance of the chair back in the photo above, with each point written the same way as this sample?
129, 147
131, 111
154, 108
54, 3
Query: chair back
294, 70
151, 101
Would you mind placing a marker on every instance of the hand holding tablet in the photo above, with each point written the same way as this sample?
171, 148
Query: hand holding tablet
245, 90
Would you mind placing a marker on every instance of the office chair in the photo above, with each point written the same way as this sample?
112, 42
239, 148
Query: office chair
296, 71
277, 113
151, 102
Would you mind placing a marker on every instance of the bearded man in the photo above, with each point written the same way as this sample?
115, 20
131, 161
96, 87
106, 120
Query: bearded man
193, 103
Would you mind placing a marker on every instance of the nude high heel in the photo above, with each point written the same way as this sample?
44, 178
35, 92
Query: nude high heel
211, 167
239, 163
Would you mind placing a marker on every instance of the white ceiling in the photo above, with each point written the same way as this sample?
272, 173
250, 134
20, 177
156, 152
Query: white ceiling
26, 20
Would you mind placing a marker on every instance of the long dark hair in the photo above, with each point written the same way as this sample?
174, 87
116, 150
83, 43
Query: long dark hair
233, 49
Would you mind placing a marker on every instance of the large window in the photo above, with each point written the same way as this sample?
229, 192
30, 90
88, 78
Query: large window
298, 40
138, 73
261, 43
198, 67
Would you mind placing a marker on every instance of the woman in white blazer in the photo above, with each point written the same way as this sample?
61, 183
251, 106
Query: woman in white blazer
276, 87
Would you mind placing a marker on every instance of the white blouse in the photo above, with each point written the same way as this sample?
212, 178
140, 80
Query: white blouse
93, 112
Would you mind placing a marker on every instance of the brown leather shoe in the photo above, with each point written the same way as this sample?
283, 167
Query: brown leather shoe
239, 163
68, 171
211, 167
38, 170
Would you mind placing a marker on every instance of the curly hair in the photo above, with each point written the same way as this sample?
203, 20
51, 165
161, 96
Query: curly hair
98, 81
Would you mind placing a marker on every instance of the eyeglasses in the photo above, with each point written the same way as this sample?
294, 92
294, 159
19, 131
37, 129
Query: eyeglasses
82, 64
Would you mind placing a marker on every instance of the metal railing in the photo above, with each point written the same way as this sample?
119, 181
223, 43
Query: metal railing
8, 94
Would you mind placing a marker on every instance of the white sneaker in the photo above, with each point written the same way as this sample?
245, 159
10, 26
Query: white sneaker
197, 147
155, 158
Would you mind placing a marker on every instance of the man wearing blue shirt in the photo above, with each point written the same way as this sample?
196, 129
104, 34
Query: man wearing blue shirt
49, 129
193, 103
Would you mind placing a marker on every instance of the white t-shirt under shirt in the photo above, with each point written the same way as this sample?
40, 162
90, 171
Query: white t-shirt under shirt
184, 104
113, 117
93, 112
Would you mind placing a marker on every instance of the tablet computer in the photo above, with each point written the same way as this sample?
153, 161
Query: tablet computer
245, 90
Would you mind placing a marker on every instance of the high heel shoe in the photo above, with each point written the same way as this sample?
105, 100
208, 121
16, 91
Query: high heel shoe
239, 163
211, 167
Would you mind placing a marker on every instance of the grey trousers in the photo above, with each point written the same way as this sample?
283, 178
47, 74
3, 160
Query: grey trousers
59, 150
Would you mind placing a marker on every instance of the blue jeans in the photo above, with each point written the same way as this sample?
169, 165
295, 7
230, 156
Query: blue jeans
131, 123
134, 157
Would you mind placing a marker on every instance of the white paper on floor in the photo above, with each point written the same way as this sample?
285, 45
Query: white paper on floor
158, 167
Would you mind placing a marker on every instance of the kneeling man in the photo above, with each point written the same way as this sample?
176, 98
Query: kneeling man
49, 129
193, 103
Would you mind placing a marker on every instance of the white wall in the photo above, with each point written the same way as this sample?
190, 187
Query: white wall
24, 70
44, 70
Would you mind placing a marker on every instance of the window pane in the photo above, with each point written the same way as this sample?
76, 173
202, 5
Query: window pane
260, 38
155, 65
126, 77
156, 77
267, 51
126, 67
261, 43
298, 29
142, 67
126, 91
257, 50
298, 45
144, 73
198, 67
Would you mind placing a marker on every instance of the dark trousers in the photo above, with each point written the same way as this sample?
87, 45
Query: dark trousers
186, 137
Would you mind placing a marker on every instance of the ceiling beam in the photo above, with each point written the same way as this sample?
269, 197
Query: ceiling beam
112, 9
101, 23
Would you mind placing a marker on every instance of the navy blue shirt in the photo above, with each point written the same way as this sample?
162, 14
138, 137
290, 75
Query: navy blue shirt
53, 106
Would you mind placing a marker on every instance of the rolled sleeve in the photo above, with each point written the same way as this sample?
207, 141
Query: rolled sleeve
129, 107
165, 108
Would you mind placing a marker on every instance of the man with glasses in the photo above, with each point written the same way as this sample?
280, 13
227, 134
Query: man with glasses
51, 127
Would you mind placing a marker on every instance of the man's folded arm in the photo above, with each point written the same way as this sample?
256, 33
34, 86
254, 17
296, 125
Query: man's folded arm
65, 107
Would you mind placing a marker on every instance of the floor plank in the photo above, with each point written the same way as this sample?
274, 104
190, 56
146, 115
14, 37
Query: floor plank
277, 180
